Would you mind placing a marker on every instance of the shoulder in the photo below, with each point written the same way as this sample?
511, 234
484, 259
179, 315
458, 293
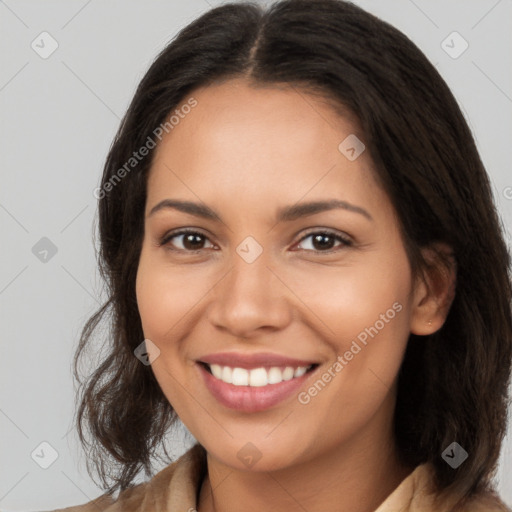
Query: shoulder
486, 500
100, 503
178, 480
130, 499
418, 493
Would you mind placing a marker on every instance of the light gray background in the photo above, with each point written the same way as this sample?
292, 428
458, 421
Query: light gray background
58, 118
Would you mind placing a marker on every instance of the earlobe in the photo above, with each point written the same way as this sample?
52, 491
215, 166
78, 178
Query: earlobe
434, 290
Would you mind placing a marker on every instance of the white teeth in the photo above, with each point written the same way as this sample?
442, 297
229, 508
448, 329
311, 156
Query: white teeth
256, 377
227, 375
240, 377
288, 373
300, 371
275, 376
216, 370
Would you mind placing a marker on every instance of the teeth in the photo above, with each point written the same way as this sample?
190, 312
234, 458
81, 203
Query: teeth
240, 377
257, 377
300, 371
288, 373
217, 370
275, 376
226, 375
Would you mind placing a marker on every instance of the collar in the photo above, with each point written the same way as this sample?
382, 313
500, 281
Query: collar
411, 495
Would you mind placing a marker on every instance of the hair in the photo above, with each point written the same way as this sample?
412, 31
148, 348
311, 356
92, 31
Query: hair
453, 384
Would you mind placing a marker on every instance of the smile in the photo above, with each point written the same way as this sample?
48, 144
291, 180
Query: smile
256, 377
253, 383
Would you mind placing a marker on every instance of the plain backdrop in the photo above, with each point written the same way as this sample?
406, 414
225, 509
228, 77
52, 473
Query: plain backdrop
58, 115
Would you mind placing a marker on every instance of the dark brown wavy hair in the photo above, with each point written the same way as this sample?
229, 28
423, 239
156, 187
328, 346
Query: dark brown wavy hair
453, 384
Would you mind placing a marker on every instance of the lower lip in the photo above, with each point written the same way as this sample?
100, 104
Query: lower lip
249, 398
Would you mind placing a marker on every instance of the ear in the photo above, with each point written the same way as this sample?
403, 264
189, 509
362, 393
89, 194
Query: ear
434, 290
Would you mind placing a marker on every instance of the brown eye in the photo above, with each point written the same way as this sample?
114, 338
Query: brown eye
186, 241
323, 241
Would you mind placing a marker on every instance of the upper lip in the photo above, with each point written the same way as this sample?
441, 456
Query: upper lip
250, 361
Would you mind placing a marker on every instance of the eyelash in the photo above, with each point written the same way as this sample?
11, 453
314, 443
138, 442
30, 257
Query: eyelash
345, 241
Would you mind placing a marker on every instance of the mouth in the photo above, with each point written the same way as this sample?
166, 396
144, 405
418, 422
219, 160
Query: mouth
256, 377
253, 390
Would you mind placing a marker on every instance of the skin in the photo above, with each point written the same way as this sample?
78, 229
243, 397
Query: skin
246, 152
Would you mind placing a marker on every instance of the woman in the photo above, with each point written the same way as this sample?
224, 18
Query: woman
296, 221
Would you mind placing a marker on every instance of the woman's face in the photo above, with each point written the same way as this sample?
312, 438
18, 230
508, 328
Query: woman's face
274, 275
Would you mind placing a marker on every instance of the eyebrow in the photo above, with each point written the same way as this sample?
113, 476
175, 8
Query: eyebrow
284, 214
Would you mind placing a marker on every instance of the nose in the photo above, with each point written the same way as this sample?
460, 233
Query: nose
250, 299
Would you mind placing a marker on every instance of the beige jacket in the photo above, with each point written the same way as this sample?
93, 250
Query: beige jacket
176, 488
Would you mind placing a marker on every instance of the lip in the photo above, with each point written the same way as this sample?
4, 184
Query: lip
251, 361
251, 399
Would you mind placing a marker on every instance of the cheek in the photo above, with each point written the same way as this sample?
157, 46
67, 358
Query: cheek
364, 312
162, 299
371, 322
345, 300
359, 380
166, 295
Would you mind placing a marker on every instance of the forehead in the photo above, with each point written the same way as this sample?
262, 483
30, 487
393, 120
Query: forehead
263, 142
281, 110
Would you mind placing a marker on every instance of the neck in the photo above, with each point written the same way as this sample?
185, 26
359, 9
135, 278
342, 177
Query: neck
357, 476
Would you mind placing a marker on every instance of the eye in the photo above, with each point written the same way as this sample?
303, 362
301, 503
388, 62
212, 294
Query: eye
186, 240
323, 241
192, 241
